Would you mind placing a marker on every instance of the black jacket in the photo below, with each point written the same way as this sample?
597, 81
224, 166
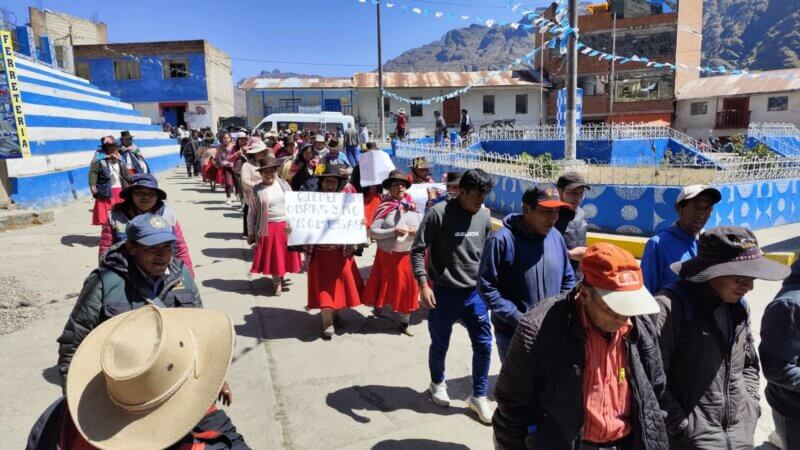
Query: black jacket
780, 347
712, 375
118, 286
214, 432
541, 382
573, 225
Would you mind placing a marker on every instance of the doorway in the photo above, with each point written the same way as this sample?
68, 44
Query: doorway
174, 113
451, 109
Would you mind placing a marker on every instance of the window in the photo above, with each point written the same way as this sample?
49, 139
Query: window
127, 70
699, 109
387, 109
522, 103
176, 68
643, 87
488, 104
778, 103
82, 70
416, 108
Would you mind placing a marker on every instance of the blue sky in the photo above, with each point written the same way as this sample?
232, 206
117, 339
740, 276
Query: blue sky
330, 37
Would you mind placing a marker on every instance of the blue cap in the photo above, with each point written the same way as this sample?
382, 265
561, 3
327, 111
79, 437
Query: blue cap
149, 230
143, 180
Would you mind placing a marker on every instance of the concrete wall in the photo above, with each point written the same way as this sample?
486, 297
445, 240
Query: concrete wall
219, 84
689, 40
504, 104
66, 30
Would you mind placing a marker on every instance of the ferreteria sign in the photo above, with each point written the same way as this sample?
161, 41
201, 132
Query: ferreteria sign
325, 218
13, 134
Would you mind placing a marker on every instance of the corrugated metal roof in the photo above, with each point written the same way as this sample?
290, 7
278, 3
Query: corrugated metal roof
730, 85
366, 80
295, 83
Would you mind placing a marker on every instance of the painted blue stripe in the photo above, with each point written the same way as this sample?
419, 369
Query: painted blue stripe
51, 74
50, 100
82, 145
63, 87
67, 122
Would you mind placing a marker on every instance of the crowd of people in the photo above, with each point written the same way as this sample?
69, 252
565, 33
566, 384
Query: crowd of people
598, 350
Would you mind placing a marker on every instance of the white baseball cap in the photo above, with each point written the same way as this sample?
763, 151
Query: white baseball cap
695, 190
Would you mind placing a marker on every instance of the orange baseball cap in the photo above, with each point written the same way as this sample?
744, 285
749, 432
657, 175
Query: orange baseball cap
616, 276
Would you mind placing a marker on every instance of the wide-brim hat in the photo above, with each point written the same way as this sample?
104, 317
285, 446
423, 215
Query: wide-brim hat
729, 251
395, 175
334, 170
257, 146
335, 144
143, 180
269, 162
125, 134
124, 394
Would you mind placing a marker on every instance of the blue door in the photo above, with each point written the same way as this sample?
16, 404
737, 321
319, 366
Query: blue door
171, 115
332, 105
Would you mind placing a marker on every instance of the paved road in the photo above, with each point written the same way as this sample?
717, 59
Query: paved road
363, 390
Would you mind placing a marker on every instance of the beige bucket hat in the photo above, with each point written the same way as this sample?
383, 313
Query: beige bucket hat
142, 380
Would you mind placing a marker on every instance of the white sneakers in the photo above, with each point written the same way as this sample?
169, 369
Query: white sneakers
481, 407
439, 394
228, 202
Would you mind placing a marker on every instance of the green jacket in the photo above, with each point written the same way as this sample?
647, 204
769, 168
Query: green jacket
118, 286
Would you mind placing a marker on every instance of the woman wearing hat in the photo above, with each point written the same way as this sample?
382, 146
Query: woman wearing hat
304, 166
142, 196
267, 228
208, 152
158, 394
224, 161
107, 176
249, 175
420, 171
394, 226
334, 282
709, 356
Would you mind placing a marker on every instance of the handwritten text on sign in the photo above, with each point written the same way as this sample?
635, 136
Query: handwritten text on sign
325, 218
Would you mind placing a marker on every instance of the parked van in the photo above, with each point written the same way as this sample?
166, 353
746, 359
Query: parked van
317, 122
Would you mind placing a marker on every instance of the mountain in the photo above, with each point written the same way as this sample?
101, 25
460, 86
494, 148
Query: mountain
754, 34
276, 73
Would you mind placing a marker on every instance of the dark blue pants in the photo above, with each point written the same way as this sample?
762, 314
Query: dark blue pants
465, 305
352, 154
503, 340
787, 429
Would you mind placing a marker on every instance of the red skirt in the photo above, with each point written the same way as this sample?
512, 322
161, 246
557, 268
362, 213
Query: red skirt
209, 171
333, 280
371, 202
104, 205
271, 255
392, 283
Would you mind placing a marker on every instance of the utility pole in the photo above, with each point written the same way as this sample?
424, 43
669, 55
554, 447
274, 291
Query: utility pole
380, 76
613, 82
571, 141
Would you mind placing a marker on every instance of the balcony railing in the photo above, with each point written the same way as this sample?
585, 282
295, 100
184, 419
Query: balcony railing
306, 109
732, 119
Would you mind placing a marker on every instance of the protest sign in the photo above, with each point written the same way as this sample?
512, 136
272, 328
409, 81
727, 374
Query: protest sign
419, 193
375, 167
325, 218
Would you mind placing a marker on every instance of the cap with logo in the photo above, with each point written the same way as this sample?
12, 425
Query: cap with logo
616, 276
149, 230
545, 195
572, 180
696, 190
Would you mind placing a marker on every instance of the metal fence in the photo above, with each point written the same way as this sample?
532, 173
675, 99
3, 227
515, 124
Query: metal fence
416, 133
678, 171
598, 132
761, 130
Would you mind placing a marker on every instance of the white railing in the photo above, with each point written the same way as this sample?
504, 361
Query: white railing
416, 133
761, 130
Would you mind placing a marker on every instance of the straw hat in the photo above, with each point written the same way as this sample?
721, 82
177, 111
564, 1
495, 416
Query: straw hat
143, 379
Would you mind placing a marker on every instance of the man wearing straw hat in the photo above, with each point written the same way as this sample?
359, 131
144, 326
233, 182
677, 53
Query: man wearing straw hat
147, 379
709, 356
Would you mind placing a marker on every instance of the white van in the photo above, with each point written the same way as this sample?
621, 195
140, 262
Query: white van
316, 122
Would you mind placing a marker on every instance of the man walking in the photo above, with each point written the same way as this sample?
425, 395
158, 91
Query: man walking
453, 233
351, 145
190, 156
524, 263
708, 351
678, 242
465, 126
440, 132
583, 371
572, 222
780, 345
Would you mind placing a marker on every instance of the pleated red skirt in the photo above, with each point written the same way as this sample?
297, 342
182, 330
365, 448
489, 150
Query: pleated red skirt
103, 206
392, 283
209, 171
371, 203
333, 280
272, 256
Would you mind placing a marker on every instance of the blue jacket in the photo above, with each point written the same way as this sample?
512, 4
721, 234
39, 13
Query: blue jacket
666, 247
518, 270
780, 345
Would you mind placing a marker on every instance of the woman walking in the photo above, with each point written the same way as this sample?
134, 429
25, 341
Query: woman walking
267, 228
142, 196
334, 282
225, 161
209, 152
249, 174
394, 226
304, 166
107, 176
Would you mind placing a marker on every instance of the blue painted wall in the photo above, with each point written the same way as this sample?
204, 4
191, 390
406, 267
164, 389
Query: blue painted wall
152, 87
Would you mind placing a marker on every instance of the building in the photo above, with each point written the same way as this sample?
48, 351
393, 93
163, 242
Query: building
176, 82
506, 96
726, 105
268, 95
66, 31
631, 92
